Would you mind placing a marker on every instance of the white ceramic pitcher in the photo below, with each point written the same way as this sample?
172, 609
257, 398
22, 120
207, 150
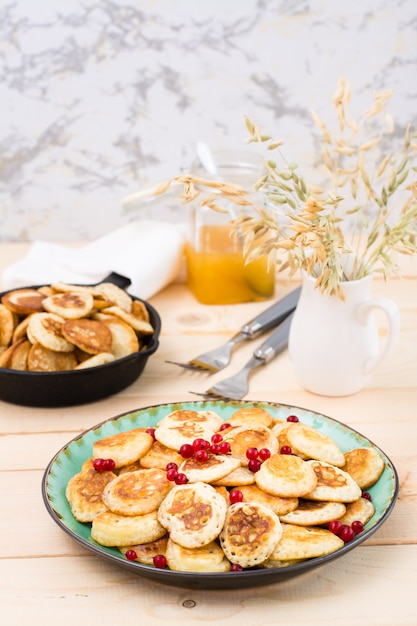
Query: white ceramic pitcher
333, 344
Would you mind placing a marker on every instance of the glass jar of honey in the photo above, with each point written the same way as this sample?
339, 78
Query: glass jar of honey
217, 271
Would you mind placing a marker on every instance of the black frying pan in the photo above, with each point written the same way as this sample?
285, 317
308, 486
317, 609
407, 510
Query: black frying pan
53, 389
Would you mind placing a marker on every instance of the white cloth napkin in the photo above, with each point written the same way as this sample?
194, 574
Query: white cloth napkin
147, 252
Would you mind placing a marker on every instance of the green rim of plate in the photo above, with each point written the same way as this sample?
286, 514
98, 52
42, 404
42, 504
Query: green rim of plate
69, 459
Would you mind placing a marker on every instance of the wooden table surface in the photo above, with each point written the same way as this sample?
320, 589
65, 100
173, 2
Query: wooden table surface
47, 577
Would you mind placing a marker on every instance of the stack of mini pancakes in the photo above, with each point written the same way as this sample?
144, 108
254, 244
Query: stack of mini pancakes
63, 327
284, 510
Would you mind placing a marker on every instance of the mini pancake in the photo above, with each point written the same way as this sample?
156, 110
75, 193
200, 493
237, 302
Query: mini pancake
251, 416
146, 551
193, 514
110, 529
138, 324
333, 484
280, 506
97, 359
139, 310
239, 477
21, 329
313, 444
286, 475
124, 338
250, 533
84, 493
8, 322
89, 335
159, 456
216, 467
209, 558
8, 356
24, 301
184, 426
46, 329
362, 510
207, 419
70, 304
115, 294
244, 437
309, 513
364, 465
301, 542
41, 359
124, 448
63, 287
19, 359
137, 493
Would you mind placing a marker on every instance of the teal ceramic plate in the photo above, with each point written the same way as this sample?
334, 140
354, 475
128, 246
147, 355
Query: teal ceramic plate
69, 459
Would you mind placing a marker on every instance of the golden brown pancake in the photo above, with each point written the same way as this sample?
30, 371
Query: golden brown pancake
89, 335
193, 514
84, 493
110, 529
286, 475
280, 506
209, 558
250, 533
364, 465
301, 542
137, 493
333, 484
124, 447
311, 513
23, 301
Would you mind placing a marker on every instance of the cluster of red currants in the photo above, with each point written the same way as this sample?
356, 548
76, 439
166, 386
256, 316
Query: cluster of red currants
104, 465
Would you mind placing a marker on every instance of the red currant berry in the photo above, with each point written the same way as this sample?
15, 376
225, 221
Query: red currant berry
292, 418
181, 479
346, 533
335, 526
159, 560
200, 444
224, 426
215, 448
285, 450
357, 526
264, 454
131, 555
235, 496
171, 466
151, 432
367, 496
172, 474
201, 456
217, 438
98, 465
254, 465
252, 453
186, 450
109, 465
236, 568
224, 447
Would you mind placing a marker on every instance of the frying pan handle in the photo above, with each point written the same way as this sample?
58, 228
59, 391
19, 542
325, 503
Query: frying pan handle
117, 279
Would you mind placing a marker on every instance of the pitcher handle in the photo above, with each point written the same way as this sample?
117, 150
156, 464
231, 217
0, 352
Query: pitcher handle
393, 316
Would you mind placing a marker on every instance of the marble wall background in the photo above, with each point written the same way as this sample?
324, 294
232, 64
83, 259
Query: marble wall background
100, 98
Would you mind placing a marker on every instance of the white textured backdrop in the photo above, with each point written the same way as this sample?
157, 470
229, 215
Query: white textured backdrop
100, 98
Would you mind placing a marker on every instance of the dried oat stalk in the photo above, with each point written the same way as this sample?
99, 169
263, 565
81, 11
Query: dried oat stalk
369, 209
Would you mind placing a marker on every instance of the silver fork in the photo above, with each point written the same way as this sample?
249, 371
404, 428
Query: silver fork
237, 386
217, 359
